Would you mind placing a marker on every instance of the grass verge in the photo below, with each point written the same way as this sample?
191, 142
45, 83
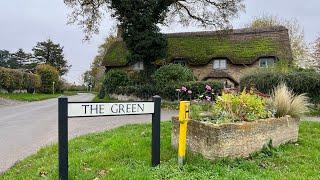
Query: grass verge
124, 153
33, 97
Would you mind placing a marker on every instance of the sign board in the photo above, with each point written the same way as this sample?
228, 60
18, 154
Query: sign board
76, 109
89, 109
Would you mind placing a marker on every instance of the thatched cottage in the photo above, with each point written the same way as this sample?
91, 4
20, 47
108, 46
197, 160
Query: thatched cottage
219, 55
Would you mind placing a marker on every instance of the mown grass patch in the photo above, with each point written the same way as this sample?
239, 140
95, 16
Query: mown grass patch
33, 97
124, 153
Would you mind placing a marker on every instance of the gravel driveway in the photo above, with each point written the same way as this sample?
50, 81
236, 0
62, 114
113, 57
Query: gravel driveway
25, 128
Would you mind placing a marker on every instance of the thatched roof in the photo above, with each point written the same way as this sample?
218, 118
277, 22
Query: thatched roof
240, 46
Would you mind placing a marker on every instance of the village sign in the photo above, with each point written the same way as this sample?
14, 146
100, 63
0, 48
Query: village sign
91, 109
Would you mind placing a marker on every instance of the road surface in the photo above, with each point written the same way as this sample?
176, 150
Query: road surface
27, 127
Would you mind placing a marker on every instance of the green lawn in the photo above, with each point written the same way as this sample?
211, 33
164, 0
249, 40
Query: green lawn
124, 153
33, 97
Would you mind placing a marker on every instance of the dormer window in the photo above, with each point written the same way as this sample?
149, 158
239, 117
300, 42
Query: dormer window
220, 64
267, 62
138, 66
179, 61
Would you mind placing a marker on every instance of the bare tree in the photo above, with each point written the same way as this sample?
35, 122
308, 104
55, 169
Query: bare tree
296, 33
316, 53
217, 13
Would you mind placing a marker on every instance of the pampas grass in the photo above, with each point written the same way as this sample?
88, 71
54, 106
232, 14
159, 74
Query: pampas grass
287, 103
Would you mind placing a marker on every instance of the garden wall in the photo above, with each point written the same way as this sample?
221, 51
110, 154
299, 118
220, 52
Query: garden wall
236, 139
121, 97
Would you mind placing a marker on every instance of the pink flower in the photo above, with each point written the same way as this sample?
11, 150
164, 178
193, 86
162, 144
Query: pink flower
208, 98
189, 92
208, 88
184, 89
178, 90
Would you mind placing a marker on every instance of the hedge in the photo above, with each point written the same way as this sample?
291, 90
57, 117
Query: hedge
197, 88
142, 91
172, 74
48, 75
169, 92
299, 82
12, 79
114, 79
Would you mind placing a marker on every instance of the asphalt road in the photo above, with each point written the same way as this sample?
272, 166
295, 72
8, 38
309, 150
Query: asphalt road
25, 128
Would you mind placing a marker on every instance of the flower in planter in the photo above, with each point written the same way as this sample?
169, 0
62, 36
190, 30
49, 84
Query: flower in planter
208, 98
208, 88
189, 92
184, 89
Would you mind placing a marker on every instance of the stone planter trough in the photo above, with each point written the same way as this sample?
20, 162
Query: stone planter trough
236, 139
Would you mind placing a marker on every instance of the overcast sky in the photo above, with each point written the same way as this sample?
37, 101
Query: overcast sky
25, 22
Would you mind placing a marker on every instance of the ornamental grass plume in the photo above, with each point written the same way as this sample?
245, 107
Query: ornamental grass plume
287, 103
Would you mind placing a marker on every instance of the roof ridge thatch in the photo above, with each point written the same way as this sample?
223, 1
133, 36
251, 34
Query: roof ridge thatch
228, 32
240, 46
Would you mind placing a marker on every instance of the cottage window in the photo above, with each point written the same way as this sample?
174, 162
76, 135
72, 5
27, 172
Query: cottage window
138, 66
220, 64
267, 62
180, 61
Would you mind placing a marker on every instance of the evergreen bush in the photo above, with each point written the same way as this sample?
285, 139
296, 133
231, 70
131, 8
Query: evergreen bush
299, 81
115, 78
172, 74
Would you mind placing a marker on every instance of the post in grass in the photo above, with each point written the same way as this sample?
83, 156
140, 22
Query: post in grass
183, 119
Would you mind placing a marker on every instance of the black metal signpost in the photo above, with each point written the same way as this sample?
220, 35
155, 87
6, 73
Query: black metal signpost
89, 109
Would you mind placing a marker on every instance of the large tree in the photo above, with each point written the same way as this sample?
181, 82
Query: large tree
298, 44
139, 19
4, 57
52, 54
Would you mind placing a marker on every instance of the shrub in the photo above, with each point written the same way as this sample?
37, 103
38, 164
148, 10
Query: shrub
48, 75
198, 89
31, 82
114, 79
141, 91
287, 103
12, 79
242, 107
300, 82
172, 74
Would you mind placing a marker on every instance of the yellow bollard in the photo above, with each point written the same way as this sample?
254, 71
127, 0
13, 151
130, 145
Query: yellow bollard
183, 119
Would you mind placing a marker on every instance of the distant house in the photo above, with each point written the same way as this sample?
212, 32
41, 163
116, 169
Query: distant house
216, 55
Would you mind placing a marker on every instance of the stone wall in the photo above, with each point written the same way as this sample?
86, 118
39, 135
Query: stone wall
236, 139
121, 97
234, 71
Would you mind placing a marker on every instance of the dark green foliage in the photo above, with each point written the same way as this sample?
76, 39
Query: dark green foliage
48, 75
300, 82
115, 78
197, 88
172, 74
138, 20
53, 55
11, 79
141, 91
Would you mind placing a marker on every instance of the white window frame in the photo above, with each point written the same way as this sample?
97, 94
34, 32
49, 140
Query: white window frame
219, 64
269, 62
138, 66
